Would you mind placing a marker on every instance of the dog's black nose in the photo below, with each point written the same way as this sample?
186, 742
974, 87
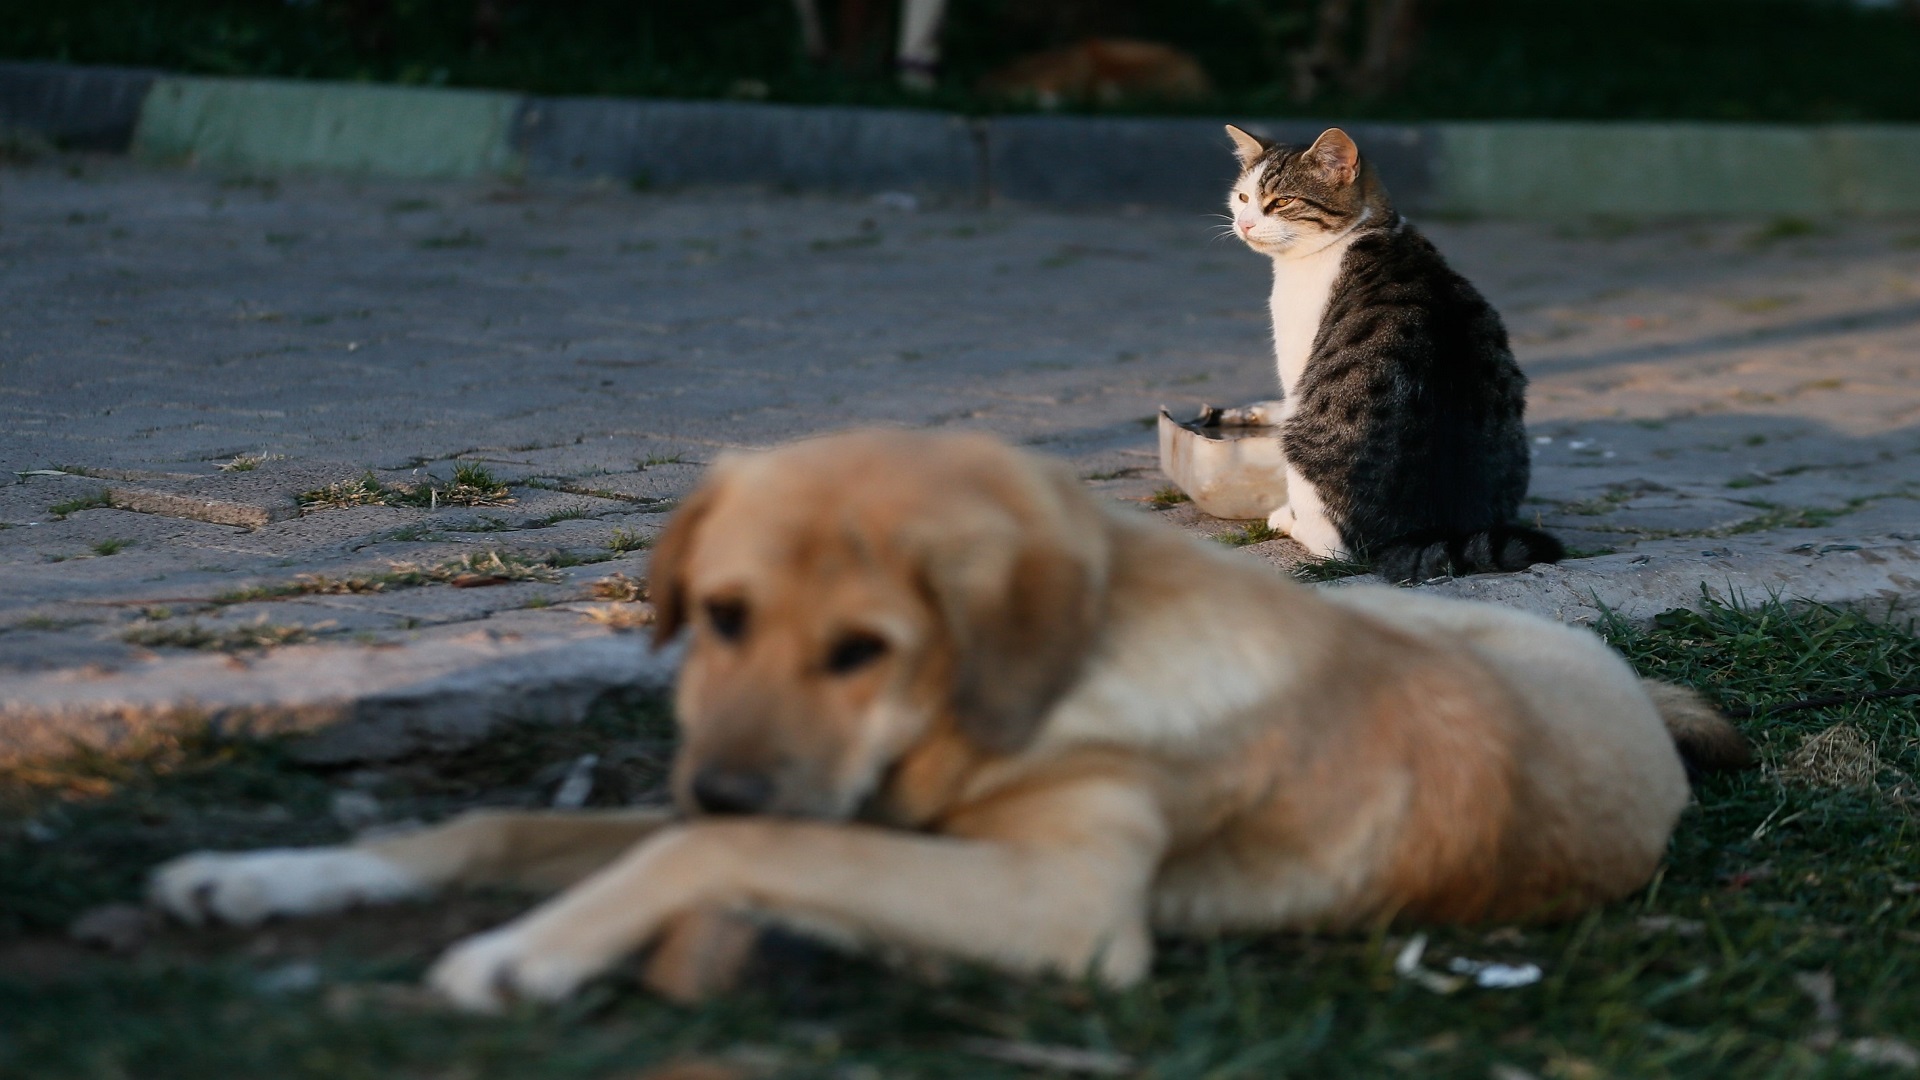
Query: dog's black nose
731, 791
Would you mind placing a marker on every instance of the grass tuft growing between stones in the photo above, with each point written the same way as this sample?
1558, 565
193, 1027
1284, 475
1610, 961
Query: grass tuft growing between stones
1331, 569
625, 540
1253, 532
192, 635
472, 485
1776, 941
492, 567
95, 501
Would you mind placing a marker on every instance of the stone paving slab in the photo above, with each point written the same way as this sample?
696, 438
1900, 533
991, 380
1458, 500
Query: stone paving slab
1730, 386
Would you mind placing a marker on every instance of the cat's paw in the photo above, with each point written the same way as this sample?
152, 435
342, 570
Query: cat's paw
491, 971
1281, 520
246, 888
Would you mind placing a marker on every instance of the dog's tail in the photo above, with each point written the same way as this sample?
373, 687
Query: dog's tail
1707, 741
1434, 554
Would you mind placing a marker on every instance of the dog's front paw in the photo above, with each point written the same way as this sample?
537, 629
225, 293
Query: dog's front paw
488, 972
248, 887
1281, 520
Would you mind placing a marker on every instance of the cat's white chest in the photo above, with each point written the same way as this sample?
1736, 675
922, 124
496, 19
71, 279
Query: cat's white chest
1301, 288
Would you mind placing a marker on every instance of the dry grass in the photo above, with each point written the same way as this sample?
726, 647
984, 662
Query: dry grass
472, 485
621, 616
255, 635
1839, 757
619, 587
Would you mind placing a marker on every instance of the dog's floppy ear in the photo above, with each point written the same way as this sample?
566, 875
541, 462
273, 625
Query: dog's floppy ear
1022, 603
666, 572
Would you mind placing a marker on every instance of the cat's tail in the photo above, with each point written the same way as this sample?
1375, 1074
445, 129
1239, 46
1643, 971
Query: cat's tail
1707, 741
1431, 555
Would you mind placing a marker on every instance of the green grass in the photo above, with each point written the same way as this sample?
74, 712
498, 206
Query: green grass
110, 547
1640, 59
1331, 569
493, 566
1768, 880
625, 540
94, 501
472, 485
1168, 496
192, 635
1253, 532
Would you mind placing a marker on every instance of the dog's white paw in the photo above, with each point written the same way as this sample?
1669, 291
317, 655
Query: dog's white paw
248, 887
488, 972
1281, 520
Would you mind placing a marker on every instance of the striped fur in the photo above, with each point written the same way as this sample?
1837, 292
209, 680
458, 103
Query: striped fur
1403, 421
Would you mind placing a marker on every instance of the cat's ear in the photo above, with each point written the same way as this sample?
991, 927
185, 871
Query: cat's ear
1337, 157
1247, 148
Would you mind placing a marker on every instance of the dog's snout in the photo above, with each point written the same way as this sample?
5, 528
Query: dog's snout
731, 791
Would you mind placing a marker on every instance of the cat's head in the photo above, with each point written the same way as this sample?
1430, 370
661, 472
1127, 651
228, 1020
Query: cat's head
1292, 200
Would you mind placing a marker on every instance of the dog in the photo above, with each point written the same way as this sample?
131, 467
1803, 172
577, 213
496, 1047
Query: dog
937, 699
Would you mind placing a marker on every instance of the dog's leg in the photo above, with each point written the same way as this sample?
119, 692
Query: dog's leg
1055, 879
529, 849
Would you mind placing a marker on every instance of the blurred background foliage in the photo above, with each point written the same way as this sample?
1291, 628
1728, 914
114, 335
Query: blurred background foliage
1744, 60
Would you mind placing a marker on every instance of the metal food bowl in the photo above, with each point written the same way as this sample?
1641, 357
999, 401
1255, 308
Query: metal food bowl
1228, 472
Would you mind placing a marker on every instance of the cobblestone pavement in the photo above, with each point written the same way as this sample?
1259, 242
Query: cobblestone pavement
183, 356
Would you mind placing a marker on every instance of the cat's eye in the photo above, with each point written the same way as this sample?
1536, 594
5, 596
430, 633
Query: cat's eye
854, 651
1275, 204
728, 618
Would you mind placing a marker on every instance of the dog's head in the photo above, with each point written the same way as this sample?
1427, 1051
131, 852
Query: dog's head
851, 597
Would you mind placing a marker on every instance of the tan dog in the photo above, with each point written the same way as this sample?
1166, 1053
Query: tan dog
949, 703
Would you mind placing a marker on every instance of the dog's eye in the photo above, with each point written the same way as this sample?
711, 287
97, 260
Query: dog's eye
853, 652
728, 619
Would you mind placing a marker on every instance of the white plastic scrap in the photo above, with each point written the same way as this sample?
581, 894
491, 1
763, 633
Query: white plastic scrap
578, 784
1485, 974
1491, 976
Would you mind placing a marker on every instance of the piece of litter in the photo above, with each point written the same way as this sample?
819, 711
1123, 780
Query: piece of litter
288, 978
1670, 924
1488, 975
1407, 966
1885, 1051
1071, 1059
577, 785
354, 810
119, 928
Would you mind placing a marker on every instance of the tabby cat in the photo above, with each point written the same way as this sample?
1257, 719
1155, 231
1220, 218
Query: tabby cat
1401, 415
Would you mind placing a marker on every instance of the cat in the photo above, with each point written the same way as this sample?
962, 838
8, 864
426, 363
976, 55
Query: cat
1401, 415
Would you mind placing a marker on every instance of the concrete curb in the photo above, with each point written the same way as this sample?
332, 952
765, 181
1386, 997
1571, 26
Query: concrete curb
1504, 169
339, 127
76, 108
346, 703
340, 702
1550, 170
1875, 574
700, 142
